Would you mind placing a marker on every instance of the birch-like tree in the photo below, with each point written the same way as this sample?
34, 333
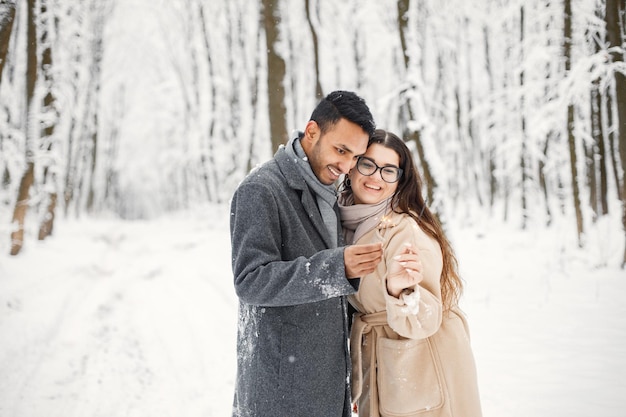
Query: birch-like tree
7, 17
513, 111
27, 178
616, 36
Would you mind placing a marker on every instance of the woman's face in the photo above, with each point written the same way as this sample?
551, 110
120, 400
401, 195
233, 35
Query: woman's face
373, 189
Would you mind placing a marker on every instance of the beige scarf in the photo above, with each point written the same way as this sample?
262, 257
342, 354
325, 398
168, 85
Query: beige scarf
358, 219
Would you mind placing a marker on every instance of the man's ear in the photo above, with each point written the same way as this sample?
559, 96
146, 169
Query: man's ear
312, 132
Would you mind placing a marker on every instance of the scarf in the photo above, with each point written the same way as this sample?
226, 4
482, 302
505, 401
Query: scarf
358, 219
326, 195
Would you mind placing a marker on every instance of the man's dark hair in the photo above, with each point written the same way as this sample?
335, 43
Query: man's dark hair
346, 105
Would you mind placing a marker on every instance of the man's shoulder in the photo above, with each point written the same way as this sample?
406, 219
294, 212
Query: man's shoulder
275, 172
267, 174
267, 178
266, 169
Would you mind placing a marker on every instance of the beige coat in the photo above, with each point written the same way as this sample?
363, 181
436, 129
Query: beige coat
409, 358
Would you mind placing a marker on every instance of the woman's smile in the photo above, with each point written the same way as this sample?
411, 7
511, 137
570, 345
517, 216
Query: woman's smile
372, 189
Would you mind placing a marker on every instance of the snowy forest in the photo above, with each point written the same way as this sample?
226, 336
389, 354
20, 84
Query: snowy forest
514, 109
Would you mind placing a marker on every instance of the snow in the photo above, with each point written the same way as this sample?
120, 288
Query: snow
412, 301
138, 318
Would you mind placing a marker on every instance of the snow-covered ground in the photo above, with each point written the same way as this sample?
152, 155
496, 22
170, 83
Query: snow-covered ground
110, 318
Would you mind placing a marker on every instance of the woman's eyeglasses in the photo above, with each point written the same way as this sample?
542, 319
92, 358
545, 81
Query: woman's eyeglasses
368, 167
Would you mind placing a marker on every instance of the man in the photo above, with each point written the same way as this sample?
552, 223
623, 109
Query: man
292, 273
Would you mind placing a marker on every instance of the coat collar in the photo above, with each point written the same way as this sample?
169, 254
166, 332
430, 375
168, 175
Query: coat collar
294, 180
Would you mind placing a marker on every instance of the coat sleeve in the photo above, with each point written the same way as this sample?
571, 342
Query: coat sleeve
262, 276
417, 313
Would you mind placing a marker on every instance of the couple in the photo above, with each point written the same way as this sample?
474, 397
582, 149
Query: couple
409, 351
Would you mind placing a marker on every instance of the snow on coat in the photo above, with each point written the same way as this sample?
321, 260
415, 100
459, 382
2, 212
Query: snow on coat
292, 338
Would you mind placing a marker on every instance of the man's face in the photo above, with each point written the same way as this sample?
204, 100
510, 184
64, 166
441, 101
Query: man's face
335, 152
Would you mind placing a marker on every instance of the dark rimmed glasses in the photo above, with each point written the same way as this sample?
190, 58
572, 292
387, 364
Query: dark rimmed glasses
368, 167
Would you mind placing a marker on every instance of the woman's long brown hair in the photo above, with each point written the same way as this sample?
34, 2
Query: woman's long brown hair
408, 199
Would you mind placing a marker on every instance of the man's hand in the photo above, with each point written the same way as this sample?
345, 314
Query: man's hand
361, 260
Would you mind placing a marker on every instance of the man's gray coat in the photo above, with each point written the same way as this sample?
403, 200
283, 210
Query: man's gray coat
292, 350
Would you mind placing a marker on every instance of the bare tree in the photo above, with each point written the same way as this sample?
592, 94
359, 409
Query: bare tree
275, 74
22, 202
319, 93
491, 163
615, 27
413, 134
98, 12
207, 159
7, 16
524, 158
83, 58
549, 92
472, 86
50, 115
595, 152
567, 54
596, 158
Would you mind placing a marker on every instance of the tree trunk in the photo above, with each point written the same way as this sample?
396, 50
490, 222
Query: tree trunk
571, 138
542, 179
411, 134
597, 132
21, 207
21, 204
7, 16
70, 167
275, 74
46, 225
604, 181
98, 16
615, 10
524, 151
490, 154
403, 22
254, 76
476, 151
209, 167
591, 179
319, 93
594, 148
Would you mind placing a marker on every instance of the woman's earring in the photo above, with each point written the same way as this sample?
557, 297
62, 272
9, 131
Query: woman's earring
348, 182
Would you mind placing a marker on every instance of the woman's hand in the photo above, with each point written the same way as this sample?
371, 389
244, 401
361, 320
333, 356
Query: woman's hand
405, 271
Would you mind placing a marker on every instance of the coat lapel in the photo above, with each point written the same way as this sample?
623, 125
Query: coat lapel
307, 197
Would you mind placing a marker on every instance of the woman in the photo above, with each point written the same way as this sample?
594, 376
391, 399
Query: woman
410, 344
